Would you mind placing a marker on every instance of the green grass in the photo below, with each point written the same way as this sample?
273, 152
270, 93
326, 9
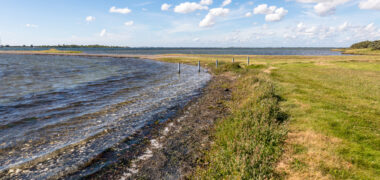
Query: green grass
343, 101
364, 51
247, 144
334, 127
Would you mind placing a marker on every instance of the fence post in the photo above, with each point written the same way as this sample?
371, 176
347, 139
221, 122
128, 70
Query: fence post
199, 66
216, 63
248, 60
179, 68
233, 60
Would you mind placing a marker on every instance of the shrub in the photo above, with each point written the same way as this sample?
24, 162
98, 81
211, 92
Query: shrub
360, 45
375, 45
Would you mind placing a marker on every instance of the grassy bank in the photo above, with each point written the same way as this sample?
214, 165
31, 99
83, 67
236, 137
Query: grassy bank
248, 143
363, 51
333, 104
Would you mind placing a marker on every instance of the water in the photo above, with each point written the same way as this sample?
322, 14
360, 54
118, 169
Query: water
57, 113
235, 51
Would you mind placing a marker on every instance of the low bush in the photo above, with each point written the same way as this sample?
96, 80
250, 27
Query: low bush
361, 45
375, 45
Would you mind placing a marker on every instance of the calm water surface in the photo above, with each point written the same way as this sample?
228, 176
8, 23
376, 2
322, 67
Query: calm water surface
236, 51
57, 113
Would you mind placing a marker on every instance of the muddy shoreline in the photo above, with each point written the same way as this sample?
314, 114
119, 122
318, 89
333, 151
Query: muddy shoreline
171, 149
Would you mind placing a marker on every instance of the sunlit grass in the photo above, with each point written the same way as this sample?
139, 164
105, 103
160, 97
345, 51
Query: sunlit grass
365, 51
334, 127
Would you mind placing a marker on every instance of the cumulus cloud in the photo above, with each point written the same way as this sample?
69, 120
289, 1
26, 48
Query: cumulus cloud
226, 2
165, 7
129, 23
119, 10
370, 4
103, 33
272, 13
206, 2
188, 7
209, 20
325, 7
248, 14
31, 26
90, 18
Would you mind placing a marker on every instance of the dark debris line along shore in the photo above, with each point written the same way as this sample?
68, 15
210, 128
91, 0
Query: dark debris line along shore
178, 144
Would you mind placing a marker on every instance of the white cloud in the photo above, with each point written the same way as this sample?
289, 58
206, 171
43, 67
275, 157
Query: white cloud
165, 7
205, 2
90, 18
226, 2
248, 14
264, 9
370, 4
188, 7
277, 15
344, 26
129, 23
119, 10
103, 33
325, 7
31, 26
272, 13
209, 20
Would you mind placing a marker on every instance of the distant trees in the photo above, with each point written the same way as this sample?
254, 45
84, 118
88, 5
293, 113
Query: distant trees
361, 45
374, 45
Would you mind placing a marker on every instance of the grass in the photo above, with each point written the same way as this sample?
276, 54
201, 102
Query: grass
340, 102
364, 51
56, 51
247, 144
333, 104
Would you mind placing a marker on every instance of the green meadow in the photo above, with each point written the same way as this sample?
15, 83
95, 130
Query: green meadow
295, 117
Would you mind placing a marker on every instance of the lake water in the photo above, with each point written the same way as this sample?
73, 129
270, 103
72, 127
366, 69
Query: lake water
57, 113
235, 51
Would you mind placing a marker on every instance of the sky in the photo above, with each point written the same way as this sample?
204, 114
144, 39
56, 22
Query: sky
190, 23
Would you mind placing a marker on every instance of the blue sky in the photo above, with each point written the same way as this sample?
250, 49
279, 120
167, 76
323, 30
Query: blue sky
188, 23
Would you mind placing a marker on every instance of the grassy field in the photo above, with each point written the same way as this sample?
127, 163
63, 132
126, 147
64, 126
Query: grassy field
364, 51
296, 117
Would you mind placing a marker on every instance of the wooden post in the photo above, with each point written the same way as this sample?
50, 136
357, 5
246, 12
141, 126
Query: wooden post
248, 60
199, 66
233, 60
216, 63
179, 68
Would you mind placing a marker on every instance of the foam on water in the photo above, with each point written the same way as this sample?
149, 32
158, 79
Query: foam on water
81, 107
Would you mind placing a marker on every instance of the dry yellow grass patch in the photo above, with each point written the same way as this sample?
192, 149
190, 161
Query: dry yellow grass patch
269, 70
307, 153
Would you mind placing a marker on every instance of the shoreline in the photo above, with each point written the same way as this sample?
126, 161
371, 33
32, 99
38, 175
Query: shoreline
171, 149
145, 138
